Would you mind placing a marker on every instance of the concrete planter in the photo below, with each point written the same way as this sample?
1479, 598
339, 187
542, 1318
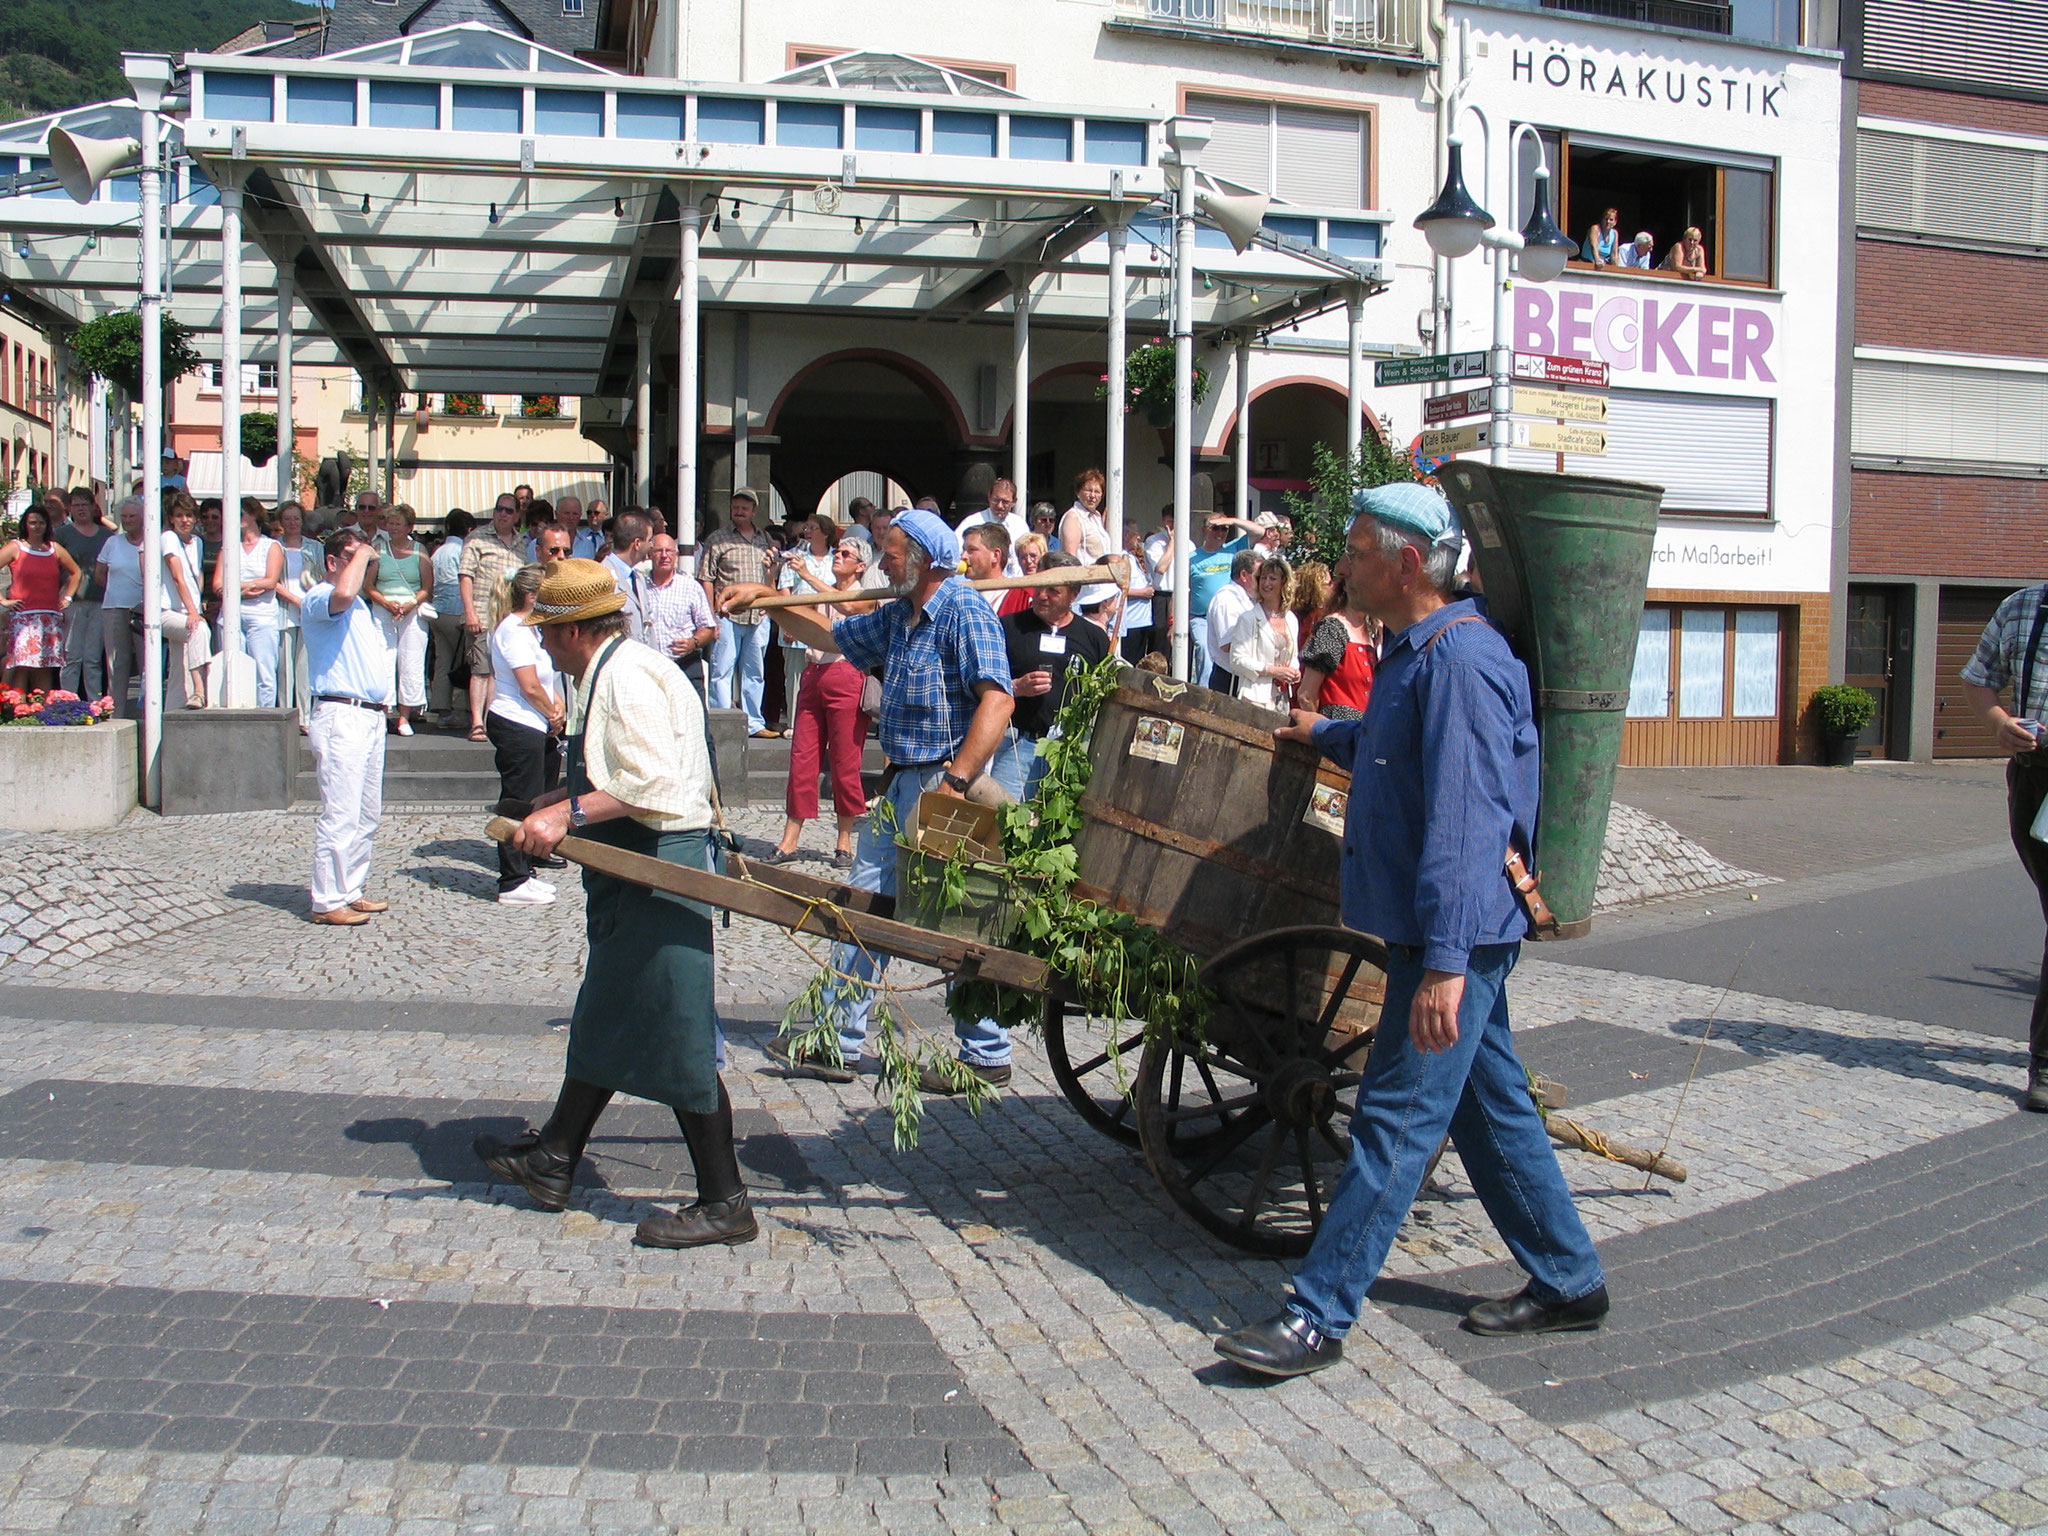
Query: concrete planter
67, 778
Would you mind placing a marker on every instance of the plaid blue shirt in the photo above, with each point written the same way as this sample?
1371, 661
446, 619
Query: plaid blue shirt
2001, 656
931, 657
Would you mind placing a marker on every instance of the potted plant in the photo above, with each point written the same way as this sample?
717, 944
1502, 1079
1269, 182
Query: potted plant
540, 407
462, 403
111, 348
1148, 382
1842, 712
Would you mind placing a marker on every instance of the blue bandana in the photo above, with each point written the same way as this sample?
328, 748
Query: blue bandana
931, 533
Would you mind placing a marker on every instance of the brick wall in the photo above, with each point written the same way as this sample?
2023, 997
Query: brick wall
1950, 301
1876, 99
1947, 525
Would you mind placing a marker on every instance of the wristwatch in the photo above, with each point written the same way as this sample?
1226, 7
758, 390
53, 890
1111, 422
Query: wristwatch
954, 782
577, 818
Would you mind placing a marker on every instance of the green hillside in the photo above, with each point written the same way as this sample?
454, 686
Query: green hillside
64, 53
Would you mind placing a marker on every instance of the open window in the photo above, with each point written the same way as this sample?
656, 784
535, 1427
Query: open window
1730, 199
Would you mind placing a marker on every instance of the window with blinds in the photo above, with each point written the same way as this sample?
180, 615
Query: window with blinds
1313, 156
1981, 193
1926, 412
1711, 453
2002, 43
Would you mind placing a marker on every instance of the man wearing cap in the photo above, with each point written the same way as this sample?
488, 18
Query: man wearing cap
1443, 784
635, 777
739, 556
348, 667
945, 706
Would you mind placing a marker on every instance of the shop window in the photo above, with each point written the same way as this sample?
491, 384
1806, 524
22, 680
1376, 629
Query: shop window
1663, 190
1702, 664
1756, 662
1649, 685
1311, 155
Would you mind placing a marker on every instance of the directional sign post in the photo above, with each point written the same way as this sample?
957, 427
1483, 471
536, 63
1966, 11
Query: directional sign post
1450, 440
1535, 400
1560, 437
1428, 370
1471, 402
1547, 369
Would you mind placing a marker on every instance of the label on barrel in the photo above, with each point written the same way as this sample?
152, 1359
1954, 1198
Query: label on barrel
1326, 809
1157, 740
1479, 518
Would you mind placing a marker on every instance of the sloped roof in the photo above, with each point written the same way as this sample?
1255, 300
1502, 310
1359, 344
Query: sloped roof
359, 23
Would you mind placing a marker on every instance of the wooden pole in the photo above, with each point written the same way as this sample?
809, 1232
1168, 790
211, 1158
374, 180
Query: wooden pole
1571, 1134
1117, 570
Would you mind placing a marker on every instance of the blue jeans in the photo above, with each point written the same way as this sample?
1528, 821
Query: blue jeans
1479, 1092
745, 647
1017, 765
983, 1043
1198, 653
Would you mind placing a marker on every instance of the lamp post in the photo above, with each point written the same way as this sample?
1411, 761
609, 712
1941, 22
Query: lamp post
1455, 225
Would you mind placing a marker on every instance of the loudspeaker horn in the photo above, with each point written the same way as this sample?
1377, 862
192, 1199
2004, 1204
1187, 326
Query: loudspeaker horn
81, 164
1240, 216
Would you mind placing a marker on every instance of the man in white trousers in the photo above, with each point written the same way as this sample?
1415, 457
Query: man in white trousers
350, 672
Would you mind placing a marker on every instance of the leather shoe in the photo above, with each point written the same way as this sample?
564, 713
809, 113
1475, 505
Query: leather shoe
1523, 1313
807, 1065
935, 1079
342, 917
529, 1164
2037, 1087
364, 904
1284, 1345
730, 1222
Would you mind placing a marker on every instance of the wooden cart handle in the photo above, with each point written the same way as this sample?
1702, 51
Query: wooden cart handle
1116, 569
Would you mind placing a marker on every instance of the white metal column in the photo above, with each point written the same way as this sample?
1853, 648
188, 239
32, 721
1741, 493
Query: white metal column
689, 408
60, 419
643, 405
287, 469
1244, 428
1119, 303
224, 678
1354, 373
1183, 405
391, 447
1020, 382
149, 218
742, 425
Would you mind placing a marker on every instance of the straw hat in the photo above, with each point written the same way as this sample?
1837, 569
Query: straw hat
575, 590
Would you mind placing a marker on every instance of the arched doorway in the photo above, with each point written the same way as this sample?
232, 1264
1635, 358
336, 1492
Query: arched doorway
874, 484
1289, 418
1069, 431
863, 412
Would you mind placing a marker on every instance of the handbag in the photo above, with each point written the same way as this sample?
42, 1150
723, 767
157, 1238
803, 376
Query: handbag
870, 695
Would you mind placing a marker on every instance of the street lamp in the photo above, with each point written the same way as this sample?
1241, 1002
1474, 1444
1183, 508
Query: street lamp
1455, 225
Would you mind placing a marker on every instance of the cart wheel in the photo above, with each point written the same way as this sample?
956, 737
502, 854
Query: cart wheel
1248, 1129
1104, 1097
1093, 1084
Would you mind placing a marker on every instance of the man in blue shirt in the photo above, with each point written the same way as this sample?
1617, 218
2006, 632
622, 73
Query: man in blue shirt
348, 667
945, 706
1208, 574
1443, 783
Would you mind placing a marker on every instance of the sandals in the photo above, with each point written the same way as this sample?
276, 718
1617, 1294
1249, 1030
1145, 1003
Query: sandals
476, 733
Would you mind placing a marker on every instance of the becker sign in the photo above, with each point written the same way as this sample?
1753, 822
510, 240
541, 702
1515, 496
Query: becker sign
1680, 332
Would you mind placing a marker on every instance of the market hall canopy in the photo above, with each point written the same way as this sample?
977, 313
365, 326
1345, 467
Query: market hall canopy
464, 209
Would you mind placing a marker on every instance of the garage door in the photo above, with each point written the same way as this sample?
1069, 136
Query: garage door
1964, 613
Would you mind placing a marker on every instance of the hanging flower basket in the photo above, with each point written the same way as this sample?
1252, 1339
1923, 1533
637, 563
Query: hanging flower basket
110, 348
1148, 382
259, 437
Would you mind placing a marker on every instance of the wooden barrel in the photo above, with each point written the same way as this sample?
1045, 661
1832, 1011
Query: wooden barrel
1199, 824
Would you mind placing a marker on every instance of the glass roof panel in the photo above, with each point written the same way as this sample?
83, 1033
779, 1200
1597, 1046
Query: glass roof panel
890, 72
380, 53
471, 48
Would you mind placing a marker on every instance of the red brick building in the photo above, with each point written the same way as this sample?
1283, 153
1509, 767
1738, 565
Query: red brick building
1948, 446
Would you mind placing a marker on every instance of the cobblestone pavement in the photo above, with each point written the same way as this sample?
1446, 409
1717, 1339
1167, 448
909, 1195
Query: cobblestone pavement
252, 1280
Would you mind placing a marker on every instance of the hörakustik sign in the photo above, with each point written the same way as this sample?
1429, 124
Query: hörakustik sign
1632, 79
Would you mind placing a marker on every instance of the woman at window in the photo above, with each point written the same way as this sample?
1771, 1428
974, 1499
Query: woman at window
1265, 646
1688, 258
1603, 240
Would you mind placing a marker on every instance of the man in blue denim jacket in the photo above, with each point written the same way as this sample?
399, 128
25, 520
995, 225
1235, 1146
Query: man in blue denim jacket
1443, 782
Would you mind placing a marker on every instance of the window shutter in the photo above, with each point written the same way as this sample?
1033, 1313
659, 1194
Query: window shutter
1711, 453
1320, 157
1241, 144
1938, 414
1977, 192
2001, 43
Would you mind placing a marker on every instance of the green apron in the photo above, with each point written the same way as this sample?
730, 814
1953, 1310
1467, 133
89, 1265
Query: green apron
646, 1018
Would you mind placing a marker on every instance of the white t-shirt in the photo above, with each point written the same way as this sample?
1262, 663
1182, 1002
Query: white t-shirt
514, 644
1013, 520
191, 554
124, 572
255, 565
1230, 604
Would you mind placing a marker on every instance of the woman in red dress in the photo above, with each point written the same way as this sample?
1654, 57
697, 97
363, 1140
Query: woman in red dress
45, 578
1337, 663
